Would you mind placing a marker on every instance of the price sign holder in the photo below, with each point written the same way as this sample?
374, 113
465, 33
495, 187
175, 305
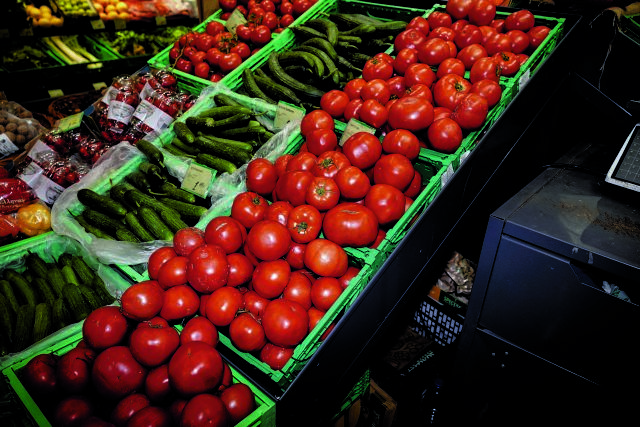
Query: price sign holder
355, 126
286, 113
197, 179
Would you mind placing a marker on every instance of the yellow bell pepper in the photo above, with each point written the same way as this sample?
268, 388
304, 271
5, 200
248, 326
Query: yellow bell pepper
34, 219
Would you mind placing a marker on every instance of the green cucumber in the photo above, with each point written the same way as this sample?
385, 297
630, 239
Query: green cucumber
224, 110
85, 274
153, 153
23, 330
276, 90
7, 291
42, 323
152, 222
183, 132
184, 209
217, 163
170, 190
326, 27
173, 221
279, 75
253, 89
217, 147
23, 290
102, 203
134, 225
102, 221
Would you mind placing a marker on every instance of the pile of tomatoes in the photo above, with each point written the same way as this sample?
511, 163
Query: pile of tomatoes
275, 13
132, 368
444, 75
215, 52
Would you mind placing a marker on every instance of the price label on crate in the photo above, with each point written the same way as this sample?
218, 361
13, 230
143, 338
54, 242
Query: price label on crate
55, 93
236, 18
97, 24
355, 126
286, 113
120, 24
161, 20
99, 85
70, 122
197, 179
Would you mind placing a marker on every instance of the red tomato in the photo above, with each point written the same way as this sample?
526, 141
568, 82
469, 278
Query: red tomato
199, 329
353, 109
362, 149
373, 113
409, 38
73, 370
350, 224
281, 163
451, 66
419, 90
298, 289
225, 232
482, 12
268, 240
323, 193
396, 86
324, 292
179, 302
127, 407
471, 112
403, 142
449, 90
187, 239
39, 374
485, 68
508, 63
116, 373
248, 208
152, 347
173, 272
433, 51
328, 164
419, 73
295, 256
521, 19
469, 34
459, 9
208, 268
377, 68
439, 19
498, 24
487, 32
519, 41
154, 416
441, 112
321, 140
195, 368
142, 300
334, 102
377, 89
395, 170
292, 186
157, 260
352, 183
488, 89
156, 385
445, 135
403, 59
411, 113
346, 278
261, 176
240, 269
285, 322
386, 202
537, 35
316, 119
223, 305
246, 333
239, 401
498, 42
203, 407
254, 303
303, 161
72, 411
353, 88
270, 278
279, 211
104, 327
470, 54
304, 224
444, 33
325, 258
419, 23
275, 356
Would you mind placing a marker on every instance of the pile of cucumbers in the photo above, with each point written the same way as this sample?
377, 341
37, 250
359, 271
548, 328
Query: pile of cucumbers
146, 205
222, 137
45, 297
329, 52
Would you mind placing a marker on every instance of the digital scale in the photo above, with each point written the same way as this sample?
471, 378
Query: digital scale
625, 170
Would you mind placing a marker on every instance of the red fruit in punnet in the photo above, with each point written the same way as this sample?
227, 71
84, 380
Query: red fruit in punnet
173, 272
268, 240
239, 401
73, 370
179, 302
157, 260
208, 268
201, 329
187, 239
142, 301
246, 333
195, 368
285, 322
204, 409
225, 232
153, 346
151, 415
116, 373
104, 327
39, 374
72, 411
223, 305
127, 407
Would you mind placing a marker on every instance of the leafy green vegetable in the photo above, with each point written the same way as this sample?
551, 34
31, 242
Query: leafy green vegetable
132, 43
26, 57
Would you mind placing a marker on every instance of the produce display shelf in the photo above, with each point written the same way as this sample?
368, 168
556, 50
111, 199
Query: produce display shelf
49, 247
39, 45
264, 414
100, 51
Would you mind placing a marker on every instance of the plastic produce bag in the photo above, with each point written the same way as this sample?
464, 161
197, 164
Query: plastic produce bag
67, 205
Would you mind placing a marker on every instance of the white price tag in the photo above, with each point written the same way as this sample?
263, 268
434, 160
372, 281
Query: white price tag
99, 85
197, 179
55, 93
236, 18
6, 146
97, 24
286, 113
161, 20
70, 122
355, 126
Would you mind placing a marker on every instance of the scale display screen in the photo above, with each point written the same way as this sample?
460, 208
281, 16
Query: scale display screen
625, 170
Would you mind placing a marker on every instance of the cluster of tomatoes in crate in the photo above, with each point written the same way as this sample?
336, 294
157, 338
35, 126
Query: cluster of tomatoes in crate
276, 14
443, 77
133, 369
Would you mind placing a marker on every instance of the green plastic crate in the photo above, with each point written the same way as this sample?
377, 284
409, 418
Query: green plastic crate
358, 390
100, 51
264, 414
49, 247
